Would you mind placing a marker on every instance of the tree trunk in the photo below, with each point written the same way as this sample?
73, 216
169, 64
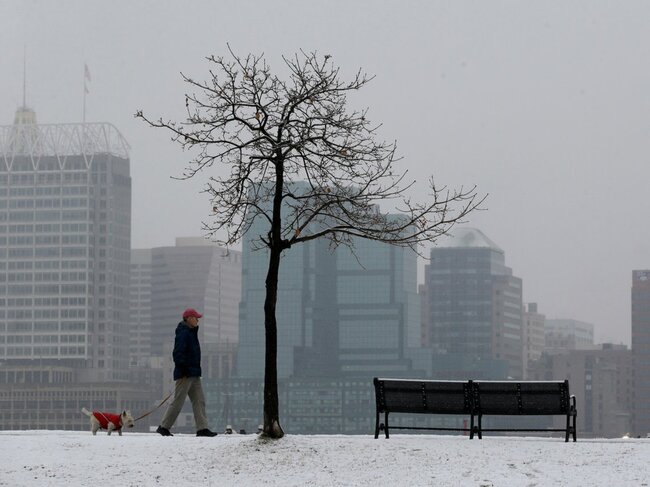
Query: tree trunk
272, 428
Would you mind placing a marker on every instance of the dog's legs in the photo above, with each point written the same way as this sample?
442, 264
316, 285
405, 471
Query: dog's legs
111, 427
94, 425
119, 432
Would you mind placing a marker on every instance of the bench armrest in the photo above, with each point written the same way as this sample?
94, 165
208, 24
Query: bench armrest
573, 404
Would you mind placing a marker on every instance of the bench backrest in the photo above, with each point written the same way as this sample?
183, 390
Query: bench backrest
493, 397
423, 396
467, 397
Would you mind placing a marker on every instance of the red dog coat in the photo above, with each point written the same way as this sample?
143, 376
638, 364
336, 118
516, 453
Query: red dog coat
105, 418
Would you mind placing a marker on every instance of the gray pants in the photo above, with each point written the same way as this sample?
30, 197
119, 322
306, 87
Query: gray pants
187, 386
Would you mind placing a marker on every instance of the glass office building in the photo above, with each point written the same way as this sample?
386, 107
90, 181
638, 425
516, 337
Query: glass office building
378, 309
339, 312
473, 309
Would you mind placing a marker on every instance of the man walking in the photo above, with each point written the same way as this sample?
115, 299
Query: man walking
187, 376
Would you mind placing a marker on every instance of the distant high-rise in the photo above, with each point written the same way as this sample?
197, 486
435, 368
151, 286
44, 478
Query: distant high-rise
140, 306
363, 311
562, 335
164, 281
338, 312
641, 350
65, 237
601, 380
197, 274
533, 336
473, 308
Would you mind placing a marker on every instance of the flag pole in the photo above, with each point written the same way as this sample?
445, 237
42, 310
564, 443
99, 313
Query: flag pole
84, 100
86, 80
25, 76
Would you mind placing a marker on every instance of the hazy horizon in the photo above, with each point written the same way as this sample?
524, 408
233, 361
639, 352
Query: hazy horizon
541, 104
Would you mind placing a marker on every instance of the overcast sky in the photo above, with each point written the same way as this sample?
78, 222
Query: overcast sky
542, 104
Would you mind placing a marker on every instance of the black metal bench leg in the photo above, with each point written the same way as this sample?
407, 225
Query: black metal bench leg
574, 415
386, 424
574, 428
568, 428
471, 427
480, 426
377, 425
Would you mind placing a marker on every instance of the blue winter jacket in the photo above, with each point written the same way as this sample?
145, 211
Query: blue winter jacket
187, 352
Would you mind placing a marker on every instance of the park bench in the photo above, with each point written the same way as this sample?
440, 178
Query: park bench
525, 398
474, 399
422, 397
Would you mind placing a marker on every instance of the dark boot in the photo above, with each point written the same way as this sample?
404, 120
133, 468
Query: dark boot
205, 432
163, 431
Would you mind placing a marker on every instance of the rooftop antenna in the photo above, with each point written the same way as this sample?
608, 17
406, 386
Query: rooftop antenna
25, 76
87, 79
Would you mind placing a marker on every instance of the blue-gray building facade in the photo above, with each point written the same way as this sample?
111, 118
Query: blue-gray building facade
473, 310
344, 316
340, 311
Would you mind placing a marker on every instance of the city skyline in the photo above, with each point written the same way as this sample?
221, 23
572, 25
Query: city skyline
540, 104
348, 317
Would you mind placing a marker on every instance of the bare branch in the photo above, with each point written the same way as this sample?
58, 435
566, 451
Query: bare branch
299, 166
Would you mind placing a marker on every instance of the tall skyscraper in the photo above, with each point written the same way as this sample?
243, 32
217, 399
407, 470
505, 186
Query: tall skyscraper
343, 317
65, 236
641, 350
533, 336
473, 308
364, 311
294, 319
140, 306
338, 312
195, 273
164, 281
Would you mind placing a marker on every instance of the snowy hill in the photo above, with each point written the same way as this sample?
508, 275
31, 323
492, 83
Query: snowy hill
64, 458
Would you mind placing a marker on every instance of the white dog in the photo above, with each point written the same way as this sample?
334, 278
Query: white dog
109, 421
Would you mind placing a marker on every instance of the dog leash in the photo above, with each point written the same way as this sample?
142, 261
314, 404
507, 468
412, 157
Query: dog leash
158, 406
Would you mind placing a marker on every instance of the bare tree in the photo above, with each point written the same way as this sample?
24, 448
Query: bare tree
302, 162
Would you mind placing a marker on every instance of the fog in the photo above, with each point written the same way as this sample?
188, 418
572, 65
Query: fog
542, 104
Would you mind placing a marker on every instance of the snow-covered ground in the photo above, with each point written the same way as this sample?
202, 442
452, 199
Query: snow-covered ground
65, 458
